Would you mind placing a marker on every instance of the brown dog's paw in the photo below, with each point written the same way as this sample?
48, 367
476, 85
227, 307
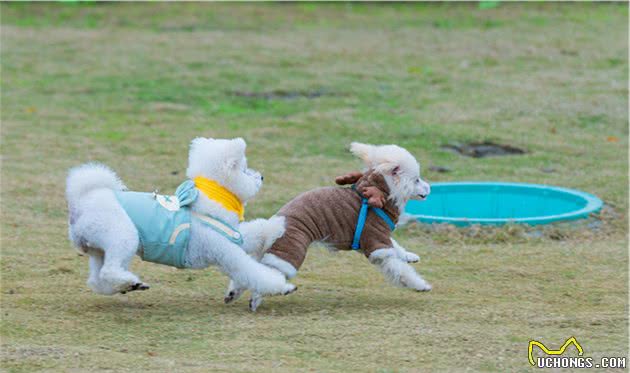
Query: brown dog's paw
349, 178
375, 196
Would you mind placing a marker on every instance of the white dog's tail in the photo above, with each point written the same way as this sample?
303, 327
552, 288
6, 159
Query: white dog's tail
82, 180
88, 177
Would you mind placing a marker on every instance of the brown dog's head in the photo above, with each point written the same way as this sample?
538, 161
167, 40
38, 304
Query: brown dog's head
370, 184
399, 168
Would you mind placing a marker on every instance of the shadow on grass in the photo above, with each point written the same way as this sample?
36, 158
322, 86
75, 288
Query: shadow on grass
196, 306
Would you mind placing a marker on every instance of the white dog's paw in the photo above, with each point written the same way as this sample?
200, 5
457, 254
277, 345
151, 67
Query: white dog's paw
289, 288
411, 257
136, 286
121, 281
255, 301
232, 295
423, 287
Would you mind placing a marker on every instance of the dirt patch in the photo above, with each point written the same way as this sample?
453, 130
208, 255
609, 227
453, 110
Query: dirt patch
36, 352
283, 94
483, 149
440, 169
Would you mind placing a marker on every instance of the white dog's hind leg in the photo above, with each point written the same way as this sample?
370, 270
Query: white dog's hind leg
94, 281
233, 292
397, 271
120, 247
103, 227
405, 255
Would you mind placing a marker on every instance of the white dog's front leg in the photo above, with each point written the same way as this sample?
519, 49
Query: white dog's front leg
403, 254
397, 271
255, 301
248, 273
258, 236
233, 292
281, 265
253, 233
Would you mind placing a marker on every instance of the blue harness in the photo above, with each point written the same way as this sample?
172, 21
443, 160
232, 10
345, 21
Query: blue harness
363, 216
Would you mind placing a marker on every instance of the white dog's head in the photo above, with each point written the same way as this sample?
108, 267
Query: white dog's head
224, 162
398, 166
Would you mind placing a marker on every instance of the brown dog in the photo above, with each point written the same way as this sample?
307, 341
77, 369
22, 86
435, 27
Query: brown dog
330, 215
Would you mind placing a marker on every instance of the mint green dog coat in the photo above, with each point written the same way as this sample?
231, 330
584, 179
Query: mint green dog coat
163, 223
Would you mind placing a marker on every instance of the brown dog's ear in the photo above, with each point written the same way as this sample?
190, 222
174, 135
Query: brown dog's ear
376, 197
350, 178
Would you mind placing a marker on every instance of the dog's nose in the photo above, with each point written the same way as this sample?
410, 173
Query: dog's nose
427, 189
262, 178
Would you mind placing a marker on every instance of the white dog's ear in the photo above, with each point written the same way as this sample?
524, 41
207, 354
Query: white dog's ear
363, 152
240, 144
200, 142
388, 168
235, 151
237, 148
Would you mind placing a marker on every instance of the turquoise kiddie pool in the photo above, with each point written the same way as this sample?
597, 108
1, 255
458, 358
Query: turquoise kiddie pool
497, 203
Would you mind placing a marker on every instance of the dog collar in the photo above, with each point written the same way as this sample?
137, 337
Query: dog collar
218, 193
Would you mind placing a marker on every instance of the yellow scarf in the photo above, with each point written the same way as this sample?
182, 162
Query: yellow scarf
215, 192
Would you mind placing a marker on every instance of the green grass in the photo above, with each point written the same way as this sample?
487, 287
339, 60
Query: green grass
131, 84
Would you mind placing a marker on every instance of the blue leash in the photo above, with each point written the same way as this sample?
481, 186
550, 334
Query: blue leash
363, 216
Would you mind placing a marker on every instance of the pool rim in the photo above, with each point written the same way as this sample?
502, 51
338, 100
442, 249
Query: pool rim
593, 205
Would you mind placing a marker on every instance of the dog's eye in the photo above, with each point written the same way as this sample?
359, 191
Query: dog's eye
417, 180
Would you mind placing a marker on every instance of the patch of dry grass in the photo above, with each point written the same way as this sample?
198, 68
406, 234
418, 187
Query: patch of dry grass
131, 84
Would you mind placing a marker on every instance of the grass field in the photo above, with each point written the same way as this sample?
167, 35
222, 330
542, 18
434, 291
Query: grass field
131, 84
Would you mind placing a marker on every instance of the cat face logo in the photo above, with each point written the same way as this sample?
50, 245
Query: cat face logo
559, 351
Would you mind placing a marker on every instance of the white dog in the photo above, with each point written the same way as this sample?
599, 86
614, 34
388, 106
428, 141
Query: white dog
197, 227
332, 215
